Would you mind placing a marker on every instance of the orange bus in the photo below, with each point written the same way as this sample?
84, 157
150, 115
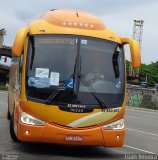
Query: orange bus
67, 81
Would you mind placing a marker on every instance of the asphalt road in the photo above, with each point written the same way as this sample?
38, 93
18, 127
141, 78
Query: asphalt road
141, 139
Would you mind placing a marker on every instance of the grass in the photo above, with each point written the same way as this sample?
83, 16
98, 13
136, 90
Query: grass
3, 88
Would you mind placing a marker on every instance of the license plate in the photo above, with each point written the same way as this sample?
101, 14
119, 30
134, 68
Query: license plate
73, 138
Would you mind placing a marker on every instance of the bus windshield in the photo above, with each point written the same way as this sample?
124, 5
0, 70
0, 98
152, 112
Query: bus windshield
65, 69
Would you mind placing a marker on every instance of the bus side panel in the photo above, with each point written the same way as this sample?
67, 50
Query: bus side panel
12, 85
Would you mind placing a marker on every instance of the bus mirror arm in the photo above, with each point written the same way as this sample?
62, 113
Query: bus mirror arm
19, 42
135, 51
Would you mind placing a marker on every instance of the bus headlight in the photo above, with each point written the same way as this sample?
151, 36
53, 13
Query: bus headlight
119, 124
28, 119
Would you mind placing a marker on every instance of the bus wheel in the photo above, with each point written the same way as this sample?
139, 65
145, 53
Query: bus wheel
12, 133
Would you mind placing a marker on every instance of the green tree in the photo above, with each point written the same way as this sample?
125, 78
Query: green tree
147, 72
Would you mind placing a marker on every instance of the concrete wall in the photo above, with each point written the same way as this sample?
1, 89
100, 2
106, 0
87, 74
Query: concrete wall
143, 98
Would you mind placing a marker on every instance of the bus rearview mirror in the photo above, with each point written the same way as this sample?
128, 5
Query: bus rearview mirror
19, 42
135, 51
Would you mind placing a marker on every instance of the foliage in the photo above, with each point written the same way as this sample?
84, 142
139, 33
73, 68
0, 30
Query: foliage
147, 72
3, 88
2, 32
127, 67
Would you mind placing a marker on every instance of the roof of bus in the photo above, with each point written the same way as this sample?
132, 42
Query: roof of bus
75, 22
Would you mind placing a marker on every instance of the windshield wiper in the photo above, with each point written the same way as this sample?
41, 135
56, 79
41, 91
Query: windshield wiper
75, 76
91, 89
76, 72
52, 96
93, 92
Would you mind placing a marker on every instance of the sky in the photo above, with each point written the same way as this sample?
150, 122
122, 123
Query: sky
119, 15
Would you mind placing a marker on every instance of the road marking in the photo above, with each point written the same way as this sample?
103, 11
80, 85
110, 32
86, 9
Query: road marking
149, 116
138, 116
131, 116
3, 113
3, 92
142, 132
138, 110
139, 149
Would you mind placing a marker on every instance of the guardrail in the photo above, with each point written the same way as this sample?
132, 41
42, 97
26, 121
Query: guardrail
142, 97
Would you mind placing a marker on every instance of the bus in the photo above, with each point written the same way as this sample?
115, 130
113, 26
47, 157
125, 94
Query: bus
67, 81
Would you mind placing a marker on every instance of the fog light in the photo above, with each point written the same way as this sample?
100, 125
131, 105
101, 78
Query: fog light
117, 137
27, 133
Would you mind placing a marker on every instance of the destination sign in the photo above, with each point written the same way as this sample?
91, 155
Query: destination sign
55, 41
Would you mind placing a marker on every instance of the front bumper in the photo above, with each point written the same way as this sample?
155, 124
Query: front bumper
49, 133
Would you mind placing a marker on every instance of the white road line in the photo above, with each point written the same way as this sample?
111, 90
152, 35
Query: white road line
142, 132
131, 116
139, 110
138, 116
2, 113
139, 149
149, 116
3, 92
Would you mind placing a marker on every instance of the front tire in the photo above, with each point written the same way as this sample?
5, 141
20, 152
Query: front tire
12, 133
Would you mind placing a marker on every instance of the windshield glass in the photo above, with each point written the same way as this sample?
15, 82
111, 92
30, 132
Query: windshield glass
64, 69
